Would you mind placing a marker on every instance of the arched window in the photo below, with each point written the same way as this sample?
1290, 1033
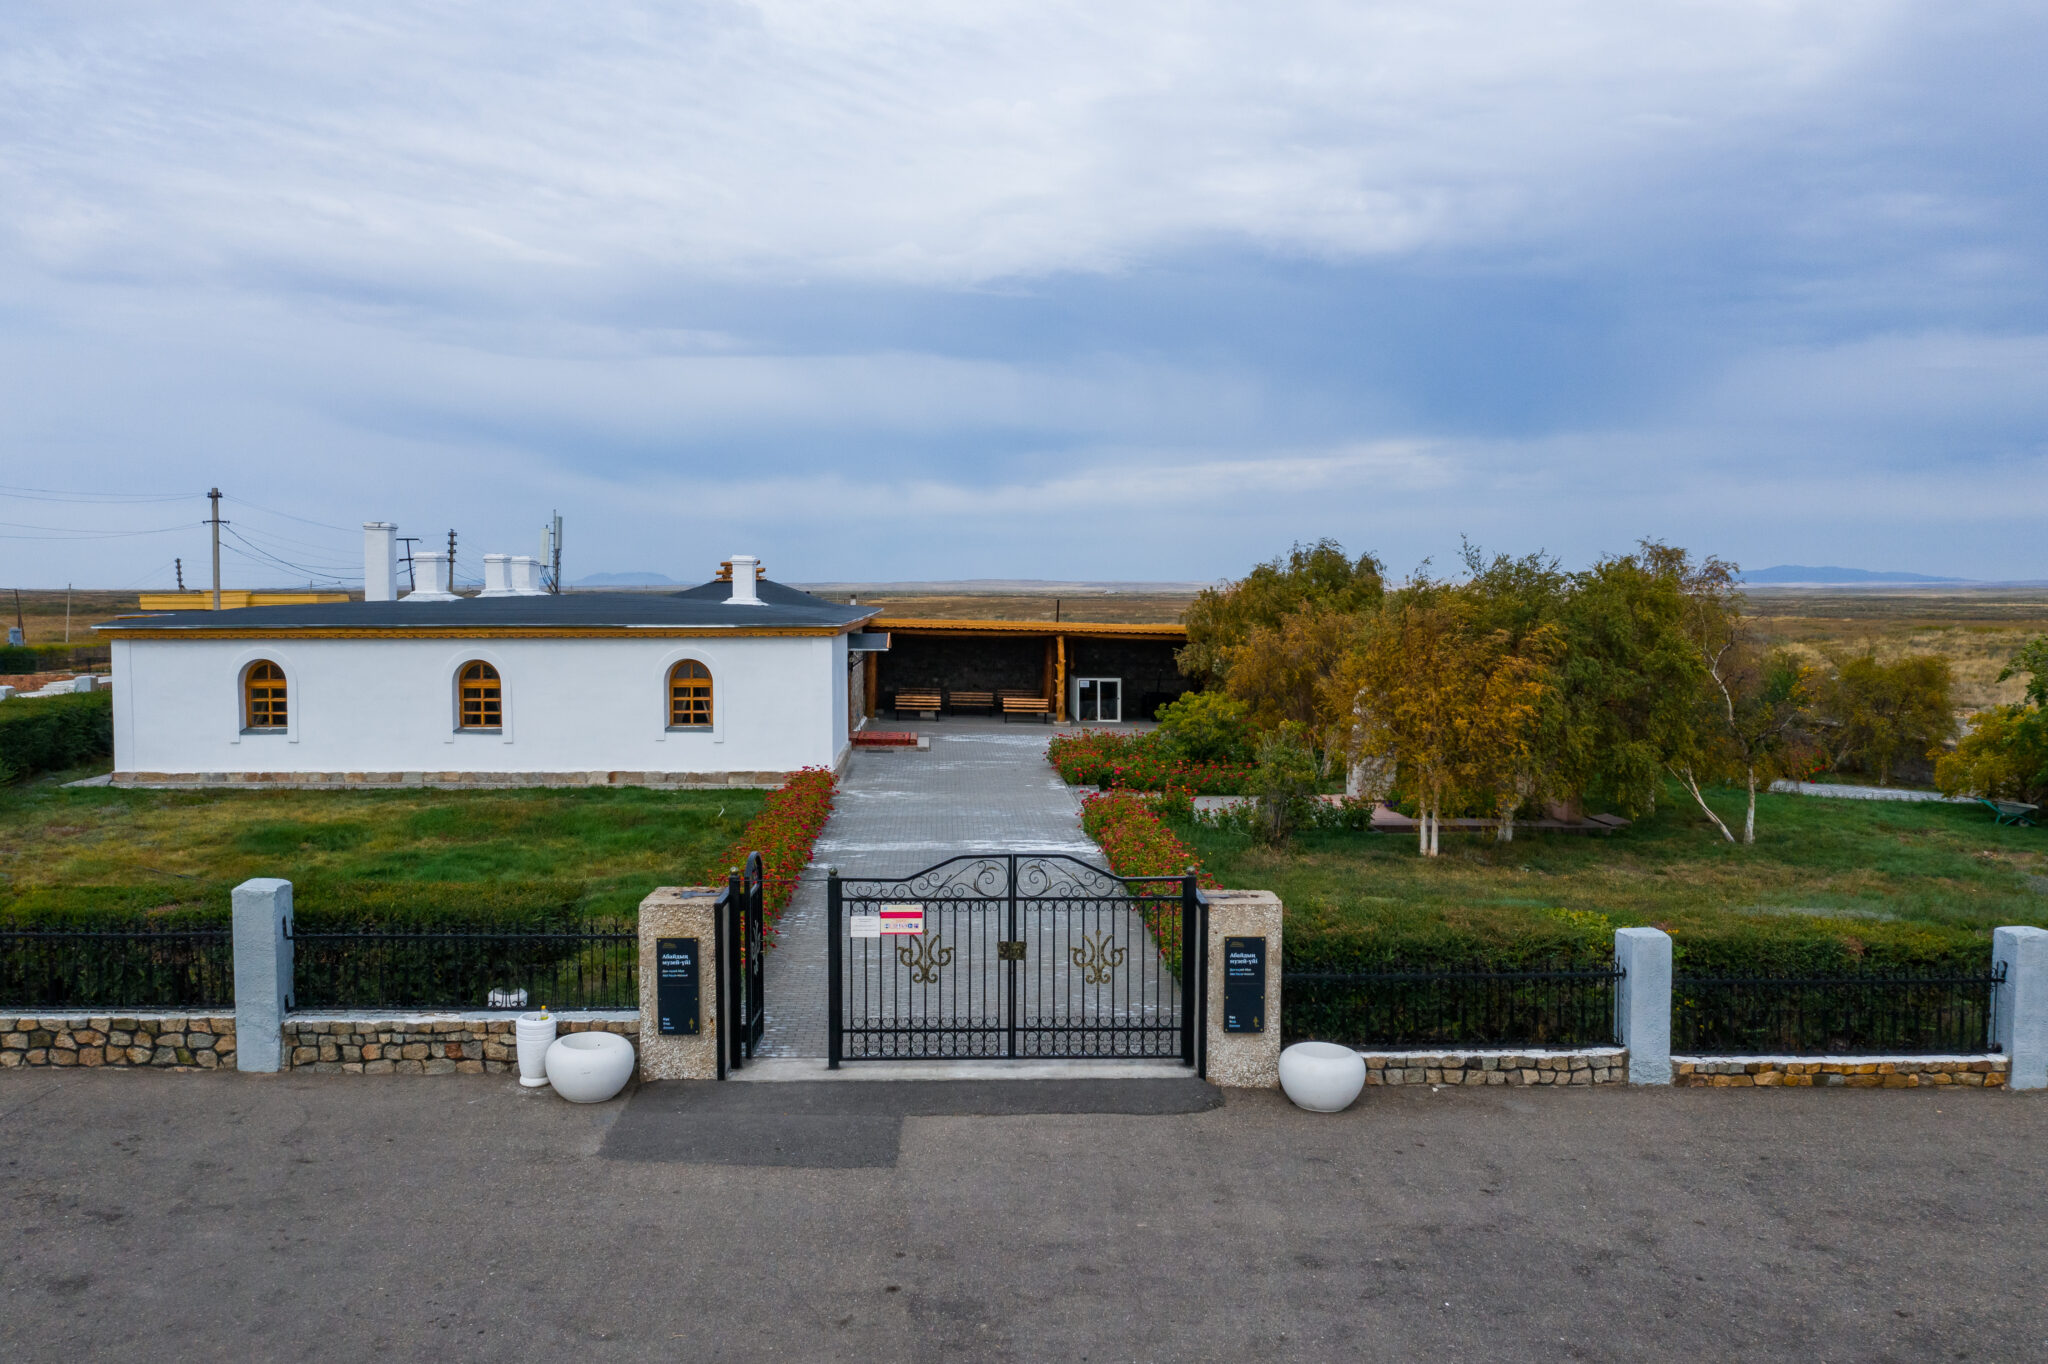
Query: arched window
482, 703
263, 699
689, 695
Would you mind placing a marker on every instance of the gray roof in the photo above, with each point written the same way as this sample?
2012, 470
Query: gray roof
706, 605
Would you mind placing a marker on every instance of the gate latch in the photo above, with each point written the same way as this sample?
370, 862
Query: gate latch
1010, 949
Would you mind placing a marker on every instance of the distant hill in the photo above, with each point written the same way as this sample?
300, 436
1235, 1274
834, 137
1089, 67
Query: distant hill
627, 580
1801, 573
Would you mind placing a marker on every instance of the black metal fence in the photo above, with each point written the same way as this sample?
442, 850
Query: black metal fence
1833, 1015
594, 966
117, 968
1450, 1008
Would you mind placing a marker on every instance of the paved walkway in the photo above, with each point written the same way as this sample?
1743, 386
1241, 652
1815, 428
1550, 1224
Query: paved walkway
984, 786
296, 1217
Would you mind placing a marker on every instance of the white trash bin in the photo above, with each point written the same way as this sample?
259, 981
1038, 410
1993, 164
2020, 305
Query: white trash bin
590, 1067
1321, 1077
535, 1034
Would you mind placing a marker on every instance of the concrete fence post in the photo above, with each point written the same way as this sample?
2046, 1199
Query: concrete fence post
263, 971
2020, 1014
1644, 1002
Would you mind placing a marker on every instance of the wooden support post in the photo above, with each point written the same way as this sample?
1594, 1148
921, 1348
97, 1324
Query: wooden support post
1059, 680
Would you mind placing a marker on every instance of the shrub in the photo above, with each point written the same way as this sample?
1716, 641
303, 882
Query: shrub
1207, 727
1113, 759
1284, 782
51, 733
2005, 755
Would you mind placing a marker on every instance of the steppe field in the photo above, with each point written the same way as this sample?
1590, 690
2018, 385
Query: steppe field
1975, 628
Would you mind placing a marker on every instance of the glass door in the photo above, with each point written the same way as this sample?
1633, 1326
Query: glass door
1098, 699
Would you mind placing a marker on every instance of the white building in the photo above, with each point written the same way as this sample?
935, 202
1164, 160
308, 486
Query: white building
736, 682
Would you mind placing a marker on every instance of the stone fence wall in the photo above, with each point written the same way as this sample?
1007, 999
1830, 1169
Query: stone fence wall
423, 1043
1590, 1066
168, 1041
1853, 1072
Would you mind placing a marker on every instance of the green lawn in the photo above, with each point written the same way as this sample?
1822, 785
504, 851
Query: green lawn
191, 845
1839, 864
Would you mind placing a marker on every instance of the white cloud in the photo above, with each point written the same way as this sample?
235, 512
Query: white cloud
902, 140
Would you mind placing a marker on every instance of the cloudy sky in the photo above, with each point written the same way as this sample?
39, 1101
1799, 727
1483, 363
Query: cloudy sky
972, 289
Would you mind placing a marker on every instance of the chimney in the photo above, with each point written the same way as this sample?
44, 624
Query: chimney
526, 576
380, 561
745, 572
497, 575
431, 566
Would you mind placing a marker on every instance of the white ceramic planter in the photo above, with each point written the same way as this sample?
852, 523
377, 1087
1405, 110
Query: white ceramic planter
1321, 1076
590, 1067
535, 1033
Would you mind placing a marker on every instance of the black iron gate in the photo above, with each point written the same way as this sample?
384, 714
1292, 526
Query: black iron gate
1015, 955
741, 964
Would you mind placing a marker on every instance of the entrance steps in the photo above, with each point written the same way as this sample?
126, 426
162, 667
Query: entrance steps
769, 1069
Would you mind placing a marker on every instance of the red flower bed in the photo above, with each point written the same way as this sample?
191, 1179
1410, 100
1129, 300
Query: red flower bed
783, 834
1139, 762
1134, 838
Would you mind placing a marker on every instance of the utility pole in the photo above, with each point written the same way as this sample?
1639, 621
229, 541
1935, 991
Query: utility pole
67, 613
19, 634
213, 495
451, 558
412, 582
179, 564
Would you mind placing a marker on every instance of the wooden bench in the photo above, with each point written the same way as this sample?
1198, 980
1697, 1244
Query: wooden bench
925, 703
1028, 706
971, 700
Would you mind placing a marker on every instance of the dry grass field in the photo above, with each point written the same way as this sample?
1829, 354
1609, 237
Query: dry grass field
1977, 630
42, 612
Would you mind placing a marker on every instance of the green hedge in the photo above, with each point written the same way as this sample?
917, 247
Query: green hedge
317, 906
16, 659
51, 733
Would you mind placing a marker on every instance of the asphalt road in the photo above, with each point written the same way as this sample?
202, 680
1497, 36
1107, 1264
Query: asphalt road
226, 1217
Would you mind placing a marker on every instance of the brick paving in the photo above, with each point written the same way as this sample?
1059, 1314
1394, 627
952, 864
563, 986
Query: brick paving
984, 786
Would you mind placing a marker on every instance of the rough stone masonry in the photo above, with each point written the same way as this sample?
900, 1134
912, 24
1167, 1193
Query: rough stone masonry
181, 1041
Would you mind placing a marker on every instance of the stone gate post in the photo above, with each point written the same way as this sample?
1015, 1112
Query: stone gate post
1243, 1059
689, 913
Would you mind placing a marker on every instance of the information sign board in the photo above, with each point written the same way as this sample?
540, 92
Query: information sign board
1244, 984
676, 985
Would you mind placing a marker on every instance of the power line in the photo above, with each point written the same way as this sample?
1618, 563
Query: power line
59, 495
272, 511
257, 554
79, 533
